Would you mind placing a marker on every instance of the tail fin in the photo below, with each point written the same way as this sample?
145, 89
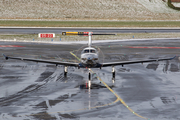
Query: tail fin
90, 39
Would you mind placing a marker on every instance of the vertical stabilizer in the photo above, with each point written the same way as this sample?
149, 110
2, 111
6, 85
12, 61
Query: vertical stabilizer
90, 40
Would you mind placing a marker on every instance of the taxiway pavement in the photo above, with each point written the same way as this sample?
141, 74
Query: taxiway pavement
39, 91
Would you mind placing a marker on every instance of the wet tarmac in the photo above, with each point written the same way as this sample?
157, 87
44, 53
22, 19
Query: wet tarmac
37, 91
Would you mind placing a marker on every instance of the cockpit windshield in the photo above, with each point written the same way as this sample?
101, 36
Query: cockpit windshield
92, 51
89, 51
86, 51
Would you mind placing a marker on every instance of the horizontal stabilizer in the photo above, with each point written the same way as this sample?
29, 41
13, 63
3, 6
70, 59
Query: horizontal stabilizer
85, 33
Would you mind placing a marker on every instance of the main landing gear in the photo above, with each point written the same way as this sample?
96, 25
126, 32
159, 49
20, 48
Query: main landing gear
113, 74
65, 71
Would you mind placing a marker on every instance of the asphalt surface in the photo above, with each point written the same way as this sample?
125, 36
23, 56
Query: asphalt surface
36, 91
96, 30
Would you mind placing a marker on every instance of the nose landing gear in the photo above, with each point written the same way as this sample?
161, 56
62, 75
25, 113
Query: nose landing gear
89, 81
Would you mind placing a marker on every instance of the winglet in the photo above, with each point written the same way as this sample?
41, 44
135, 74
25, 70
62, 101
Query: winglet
173, 57
5, 56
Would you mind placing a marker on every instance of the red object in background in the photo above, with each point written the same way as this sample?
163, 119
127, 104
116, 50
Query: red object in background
46, 35
86, 33
153, 47
11, 46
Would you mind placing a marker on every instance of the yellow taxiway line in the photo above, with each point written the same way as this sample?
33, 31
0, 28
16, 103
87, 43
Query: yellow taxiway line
118, 97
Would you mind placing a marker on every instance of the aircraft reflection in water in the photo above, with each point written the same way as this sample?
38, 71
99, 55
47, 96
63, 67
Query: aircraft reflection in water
89, 58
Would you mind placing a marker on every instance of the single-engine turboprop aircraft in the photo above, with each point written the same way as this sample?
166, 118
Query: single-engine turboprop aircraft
89, 57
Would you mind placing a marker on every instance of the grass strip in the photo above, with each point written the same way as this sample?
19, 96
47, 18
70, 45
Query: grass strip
20, 23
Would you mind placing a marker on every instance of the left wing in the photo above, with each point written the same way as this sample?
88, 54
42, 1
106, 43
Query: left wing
132, 62
43, 61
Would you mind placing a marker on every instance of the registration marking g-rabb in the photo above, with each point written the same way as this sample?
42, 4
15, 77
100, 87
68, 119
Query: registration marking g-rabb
11, 46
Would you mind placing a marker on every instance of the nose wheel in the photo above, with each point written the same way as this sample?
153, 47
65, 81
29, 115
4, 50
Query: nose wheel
89, 75
89, 81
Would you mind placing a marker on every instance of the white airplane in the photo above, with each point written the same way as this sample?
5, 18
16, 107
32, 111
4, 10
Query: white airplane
89, 58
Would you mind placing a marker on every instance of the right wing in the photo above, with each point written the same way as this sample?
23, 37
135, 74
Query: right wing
132, 62
42, 61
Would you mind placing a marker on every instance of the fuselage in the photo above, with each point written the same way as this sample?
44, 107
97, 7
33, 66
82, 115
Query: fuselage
89, 58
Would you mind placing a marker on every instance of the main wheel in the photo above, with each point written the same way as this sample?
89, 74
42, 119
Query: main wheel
89, 76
